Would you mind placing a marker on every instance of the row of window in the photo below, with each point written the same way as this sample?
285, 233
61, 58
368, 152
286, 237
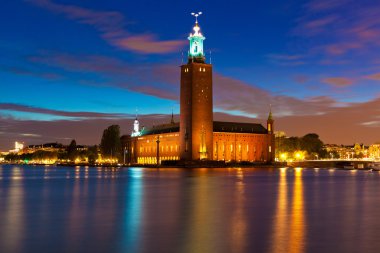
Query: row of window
239, 135
153, 160
162, 149
200, 70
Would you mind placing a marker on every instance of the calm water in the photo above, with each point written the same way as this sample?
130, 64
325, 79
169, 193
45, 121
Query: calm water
58, 209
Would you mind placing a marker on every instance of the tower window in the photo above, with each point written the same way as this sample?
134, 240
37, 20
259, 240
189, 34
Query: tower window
200, 69
204, 69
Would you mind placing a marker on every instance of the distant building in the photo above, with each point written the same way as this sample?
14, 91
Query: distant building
279, 134
374, 151
18, 147
197, 136
54, 146
347, 151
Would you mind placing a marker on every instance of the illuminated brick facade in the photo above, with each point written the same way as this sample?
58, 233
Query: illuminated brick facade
196, 111
231, 142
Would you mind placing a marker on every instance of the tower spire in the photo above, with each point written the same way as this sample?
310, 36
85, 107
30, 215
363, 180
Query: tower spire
196, 42
196, 15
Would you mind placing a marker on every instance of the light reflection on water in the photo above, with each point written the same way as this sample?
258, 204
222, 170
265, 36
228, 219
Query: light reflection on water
239, 216
82, 209
133, 212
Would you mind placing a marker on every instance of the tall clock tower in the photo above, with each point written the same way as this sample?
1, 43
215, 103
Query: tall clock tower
196, 119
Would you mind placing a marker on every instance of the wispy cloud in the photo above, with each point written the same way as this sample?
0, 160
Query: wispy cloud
375, 76
111, 25
31, 135
301, 79
148, 43
323, 5
371, 123
159, 80
29, 72
252, 100
68, 114
338, 81
346, 25
162, 81
287, 59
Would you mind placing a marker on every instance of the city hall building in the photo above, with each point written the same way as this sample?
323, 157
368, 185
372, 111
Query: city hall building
197, 136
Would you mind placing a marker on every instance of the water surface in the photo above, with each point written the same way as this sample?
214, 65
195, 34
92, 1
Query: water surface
59, 209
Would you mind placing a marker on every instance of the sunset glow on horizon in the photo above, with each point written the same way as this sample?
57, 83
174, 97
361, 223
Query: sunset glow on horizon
71, 68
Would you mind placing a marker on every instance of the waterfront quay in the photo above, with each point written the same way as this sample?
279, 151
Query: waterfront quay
339, 164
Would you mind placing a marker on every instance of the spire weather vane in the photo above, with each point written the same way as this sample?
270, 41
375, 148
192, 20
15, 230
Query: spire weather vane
196, 15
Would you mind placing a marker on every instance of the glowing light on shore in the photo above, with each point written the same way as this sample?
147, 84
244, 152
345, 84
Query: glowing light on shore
284, 156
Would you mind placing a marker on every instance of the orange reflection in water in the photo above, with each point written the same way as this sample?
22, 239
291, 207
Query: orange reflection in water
280, 225
297, 225
289, 225
14, 222
239, 219
202, 233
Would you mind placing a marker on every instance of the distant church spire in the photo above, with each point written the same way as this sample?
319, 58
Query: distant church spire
270, 113
196, 42
172, 119
270, 121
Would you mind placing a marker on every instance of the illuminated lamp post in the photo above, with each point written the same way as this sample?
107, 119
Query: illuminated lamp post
125, 149
217, 152
158, 150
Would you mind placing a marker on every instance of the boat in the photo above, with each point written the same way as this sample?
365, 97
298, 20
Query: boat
375, 166
349, 166
345, 165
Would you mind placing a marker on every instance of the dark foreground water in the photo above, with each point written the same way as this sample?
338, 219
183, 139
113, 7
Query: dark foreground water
58, 209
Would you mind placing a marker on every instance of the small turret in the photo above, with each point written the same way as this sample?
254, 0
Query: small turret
172, 119
270, 122
136, 127
271, 137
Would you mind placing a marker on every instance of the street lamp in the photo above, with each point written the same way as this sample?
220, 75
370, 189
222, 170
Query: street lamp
158, 150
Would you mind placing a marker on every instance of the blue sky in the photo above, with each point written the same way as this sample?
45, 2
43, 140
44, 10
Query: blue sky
314, 61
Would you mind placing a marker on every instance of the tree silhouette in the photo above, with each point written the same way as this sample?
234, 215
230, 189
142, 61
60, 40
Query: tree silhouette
110, 145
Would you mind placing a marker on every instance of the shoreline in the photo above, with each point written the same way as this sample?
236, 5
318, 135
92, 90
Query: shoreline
341, 164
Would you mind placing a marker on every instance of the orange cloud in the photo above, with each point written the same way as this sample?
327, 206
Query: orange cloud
147, 43
374, 77
338, 81
68, 114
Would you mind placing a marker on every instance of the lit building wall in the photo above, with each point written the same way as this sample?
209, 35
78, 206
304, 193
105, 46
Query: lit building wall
374, 151
146, 148
196, 118
227, 146
241, 147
